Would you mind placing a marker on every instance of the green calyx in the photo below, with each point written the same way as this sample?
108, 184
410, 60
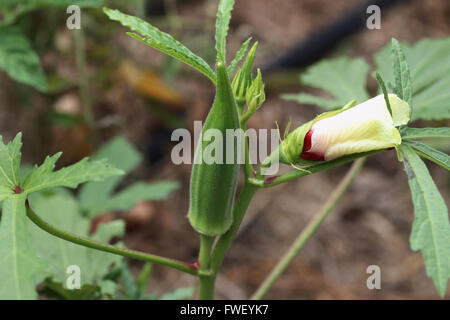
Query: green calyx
244, 77
292, 146
255, 95
213, 185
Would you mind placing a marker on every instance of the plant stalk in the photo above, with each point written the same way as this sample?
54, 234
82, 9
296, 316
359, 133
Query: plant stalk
224, 243
309, 230
140, 8
291, 175
172, 263
206, 276
83, 82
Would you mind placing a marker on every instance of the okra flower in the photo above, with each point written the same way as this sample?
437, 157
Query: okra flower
352, 129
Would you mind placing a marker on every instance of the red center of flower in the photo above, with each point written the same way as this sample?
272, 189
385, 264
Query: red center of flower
307, 144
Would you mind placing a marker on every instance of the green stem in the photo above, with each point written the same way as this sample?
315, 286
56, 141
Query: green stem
246, 116
83, 82
309, 230
309, 170
224, 243
206, 276
175, 264
140, 8
248, 168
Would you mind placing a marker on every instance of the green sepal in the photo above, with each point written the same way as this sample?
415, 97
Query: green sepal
244, 76
292, 147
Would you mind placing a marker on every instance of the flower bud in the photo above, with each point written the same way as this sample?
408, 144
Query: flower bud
244, 77
352, 129
255, 95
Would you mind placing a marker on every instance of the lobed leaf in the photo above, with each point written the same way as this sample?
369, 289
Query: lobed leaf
431, 229
161, 41
343, 78
19, 266
429, 63
222, 25
43, 177
434, 102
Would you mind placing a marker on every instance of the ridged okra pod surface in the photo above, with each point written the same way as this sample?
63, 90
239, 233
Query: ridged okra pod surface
213, 185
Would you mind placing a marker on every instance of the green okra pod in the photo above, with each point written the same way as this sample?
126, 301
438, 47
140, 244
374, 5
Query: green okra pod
213, 185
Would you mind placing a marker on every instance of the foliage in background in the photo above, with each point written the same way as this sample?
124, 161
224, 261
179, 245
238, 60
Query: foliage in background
17, 55
135, 288
99, 197
345, 78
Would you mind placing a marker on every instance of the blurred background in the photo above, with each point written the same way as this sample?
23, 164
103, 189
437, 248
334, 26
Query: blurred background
102, 83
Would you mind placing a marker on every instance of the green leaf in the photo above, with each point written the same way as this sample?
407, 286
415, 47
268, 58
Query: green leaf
120, 153
12, 9
135, 288
402, 77
429, 63
138, 191
61, 210
97, 197
159, 40
343, 78
19, 60
130, 288
306, 98
423, 133
434, 102
431, 228
55, 290
10, 157
222, 25
384, 90
43, 177
239, 56
143, 278
178, 294
19, 266
430, 153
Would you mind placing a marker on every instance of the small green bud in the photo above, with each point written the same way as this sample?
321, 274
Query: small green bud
255, 95
239, 86
244, 77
